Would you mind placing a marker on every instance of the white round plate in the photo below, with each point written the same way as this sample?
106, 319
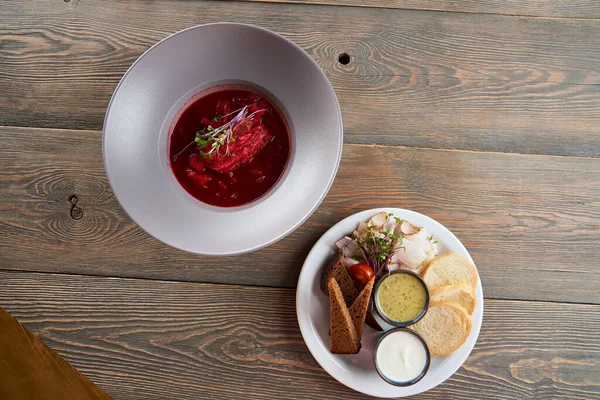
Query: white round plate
177, 69
357, 371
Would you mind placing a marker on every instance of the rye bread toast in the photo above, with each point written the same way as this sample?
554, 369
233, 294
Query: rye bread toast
343, 337
360, 307
335, 268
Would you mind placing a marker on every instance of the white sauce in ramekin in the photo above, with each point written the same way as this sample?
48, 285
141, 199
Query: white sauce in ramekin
401, 356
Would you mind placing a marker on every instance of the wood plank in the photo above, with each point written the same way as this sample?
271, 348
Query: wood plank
536, 8
140, 339
31, 370
424, 79
532, 223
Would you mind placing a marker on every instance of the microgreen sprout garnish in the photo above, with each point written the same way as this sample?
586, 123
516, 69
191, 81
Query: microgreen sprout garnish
256, 112
219, 138
182, 151
227, 115
376, 247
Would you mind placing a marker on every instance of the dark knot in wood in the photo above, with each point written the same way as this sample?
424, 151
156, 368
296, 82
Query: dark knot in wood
76, 212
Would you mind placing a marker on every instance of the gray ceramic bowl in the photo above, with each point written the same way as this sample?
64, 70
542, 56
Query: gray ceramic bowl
170, 73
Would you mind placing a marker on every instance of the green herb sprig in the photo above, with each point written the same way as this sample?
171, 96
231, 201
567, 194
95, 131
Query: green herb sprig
376, 247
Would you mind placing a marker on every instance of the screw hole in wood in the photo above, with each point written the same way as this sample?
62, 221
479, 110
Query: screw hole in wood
73, 199
344, 58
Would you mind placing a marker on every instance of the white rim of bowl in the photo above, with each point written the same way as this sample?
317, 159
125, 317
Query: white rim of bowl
331, 178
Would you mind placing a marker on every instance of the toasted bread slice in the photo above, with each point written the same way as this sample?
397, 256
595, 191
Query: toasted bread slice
360, 307
445, 327
343, 336
335, 268
460, 294
450, 269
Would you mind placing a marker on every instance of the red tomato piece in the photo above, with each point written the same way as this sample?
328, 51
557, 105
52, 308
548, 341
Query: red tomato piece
361, 274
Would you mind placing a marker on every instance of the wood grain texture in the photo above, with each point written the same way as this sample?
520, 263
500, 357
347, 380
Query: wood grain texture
30, 370
532, 223
425, 79
225, 342
537, 8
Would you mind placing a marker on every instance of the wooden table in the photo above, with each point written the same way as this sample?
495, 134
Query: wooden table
482, 114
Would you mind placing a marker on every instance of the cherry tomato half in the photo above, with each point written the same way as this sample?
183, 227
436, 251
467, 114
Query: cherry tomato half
361, 274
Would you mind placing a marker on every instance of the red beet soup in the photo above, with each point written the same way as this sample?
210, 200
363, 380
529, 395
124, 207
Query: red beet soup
230, 147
